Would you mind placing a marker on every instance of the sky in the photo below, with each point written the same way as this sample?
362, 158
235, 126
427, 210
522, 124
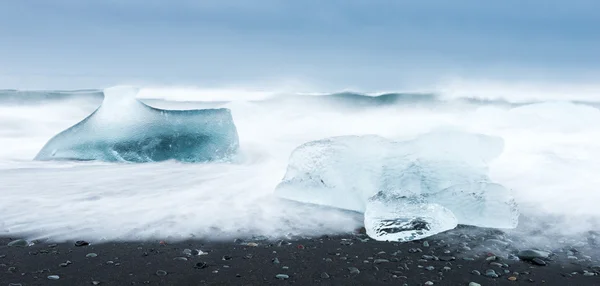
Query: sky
316, 44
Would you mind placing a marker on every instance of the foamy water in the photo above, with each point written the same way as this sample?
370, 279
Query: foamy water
552, 152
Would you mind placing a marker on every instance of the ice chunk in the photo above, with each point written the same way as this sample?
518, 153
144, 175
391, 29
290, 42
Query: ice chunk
125, 129
406, 190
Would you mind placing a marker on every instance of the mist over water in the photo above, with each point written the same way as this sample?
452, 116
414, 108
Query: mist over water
552, 152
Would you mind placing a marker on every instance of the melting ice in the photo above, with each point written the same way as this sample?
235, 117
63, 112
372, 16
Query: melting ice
406, 190
125, 129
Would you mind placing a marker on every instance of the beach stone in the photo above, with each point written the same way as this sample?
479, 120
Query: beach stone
15, 284
91, 255
530, 254
538, 261
275, 260
324, 275
80, 243
496, 264
379, 261
447, 258
430, 268
428, 283
425, 244
201, 265
95, 282
474, 284
353, 270
53, 277
491, 273
161, 273
180, 258
187, 252
282, 276
227, 257
18, 243
475, 272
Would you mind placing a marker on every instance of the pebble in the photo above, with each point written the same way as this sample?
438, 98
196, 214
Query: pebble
91, 255
512, 278
18, 243
353, 270
447, 258
180, 258
95, 282
161, 273
428, 283
496, 264
530, 254
275, 260
379, 261
430, 268
476, 272
474, 284
81, 243
15, 284
538, 261
53, 277
425, 244
324, 275
446, 268
491, 273
282, 276
201, 265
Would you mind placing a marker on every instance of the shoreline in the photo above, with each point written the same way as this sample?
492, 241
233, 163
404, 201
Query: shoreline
453, 258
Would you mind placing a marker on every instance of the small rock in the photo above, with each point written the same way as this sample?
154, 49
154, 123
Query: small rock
95, 282
275, 260
430, 268
353, 270
446, 268
180, 258
428, 283
53, 277
187, 252
491, 273
512, 278
474, 284
282, 276
496, 264
379, 261
18, 243
227, 257
425, 244
538, 261
475, 272
91, 255
530, 254
201, 265
161, 273
324, 275
571, 257
81, 243
447, 258
252, 244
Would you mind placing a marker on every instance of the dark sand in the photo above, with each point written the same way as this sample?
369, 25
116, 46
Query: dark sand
304, 260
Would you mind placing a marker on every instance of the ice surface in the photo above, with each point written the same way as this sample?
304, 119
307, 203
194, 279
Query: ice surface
125, 129
406, 190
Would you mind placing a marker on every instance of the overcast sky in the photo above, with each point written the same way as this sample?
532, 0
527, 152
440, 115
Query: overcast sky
331, 44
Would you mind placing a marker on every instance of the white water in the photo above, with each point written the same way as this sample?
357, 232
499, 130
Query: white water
551, 158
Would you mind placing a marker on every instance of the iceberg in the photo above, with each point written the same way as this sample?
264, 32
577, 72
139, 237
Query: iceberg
406, 190
124, 129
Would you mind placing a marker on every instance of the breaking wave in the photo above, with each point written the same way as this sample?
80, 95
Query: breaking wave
551, 154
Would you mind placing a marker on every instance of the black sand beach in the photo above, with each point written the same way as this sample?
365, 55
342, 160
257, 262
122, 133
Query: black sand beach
458, 257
